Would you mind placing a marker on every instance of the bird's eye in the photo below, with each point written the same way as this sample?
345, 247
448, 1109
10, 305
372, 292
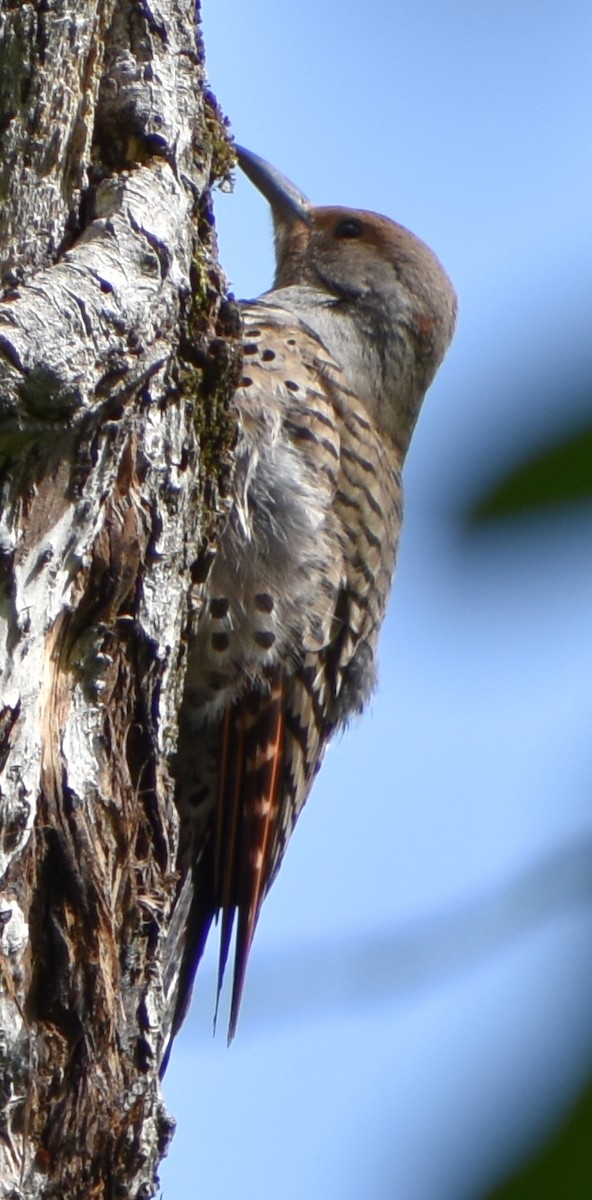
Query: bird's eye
350, 228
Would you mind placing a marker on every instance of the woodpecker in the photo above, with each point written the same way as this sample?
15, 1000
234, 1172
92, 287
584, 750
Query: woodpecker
338, 356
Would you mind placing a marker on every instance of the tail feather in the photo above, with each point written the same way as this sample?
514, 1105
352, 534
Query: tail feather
270, 743
247, 814
228, 835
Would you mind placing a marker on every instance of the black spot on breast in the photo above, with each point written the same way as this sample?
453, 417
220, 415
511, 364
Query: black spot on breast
264, 602
220, 641
264, 638
246, 381
268, 355
219, 607
293, 387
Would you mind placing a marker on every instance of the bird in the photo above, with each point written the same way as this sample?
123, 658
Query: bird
337, 357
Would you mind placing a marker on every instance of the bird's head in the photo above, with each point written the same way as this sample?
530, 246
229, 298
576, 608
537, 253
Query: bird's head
384, 277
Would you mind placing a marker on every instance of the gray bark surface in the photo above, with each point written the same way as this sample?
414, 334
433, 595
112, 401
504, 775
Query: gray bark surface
118, 355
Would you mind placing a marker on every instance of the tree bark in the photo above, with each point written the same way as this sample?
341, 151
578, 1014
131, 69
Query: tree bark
118, 355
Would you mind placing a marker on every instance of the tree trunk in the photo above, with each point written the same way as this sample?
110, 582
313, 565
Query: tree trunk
117, 358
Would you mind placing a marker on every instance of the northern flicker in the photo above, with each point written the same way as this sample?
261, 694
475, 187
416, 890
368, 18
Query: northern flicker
337, 359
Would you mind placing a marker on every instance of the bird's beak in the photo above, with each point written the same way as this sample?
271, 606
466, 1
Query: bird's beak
286, 201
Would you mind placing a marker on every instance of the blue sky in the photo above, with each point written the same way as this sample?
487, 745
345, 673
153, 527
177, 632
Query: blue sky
417, 1007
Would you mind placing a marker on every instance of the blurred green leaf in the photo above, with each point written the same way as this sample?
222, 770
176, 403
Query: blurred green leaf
563, 1170
559, 475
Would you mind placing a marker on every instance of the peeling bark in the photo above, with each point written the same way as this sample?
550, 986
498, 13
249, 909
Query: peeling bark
118, 355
